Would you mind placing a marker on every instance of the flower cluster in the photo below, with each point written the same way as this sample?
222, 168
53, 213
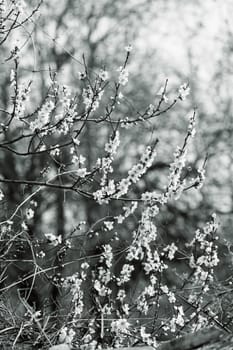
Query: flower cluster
128, 48
199, 180
107, 255
103, 275
43, 117
176, 185
91, 98
103, 75
170, 295
113, 144
1, 195
121, 330
147, 338
177, 320
74, 284
153, 262
184, 91
125, 274
123, 76
65, 119
21, 95
105, 165
66, 335
2, 11
127, 211
18, 5
120, 326
170, 249
191, 126
147, 294
53, 239
79, 161
204, 242
136, 172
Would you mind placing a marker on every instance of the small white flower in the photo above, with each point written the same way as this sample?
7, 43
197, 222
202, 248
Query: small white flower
85, 265
109, 225
1, 195
184, 91
62, 335
52, 239
171, 250
41, 254
120, 219
66, 336
82, 172
12, 76
151, 109
35, 316
113, 144
103, 75
76, 141
29, 213
123, 76
24, 226
43, 117
164, 289
55, 152
121, 294
101, 289
120, 326
82, 159
128, 48
42, 148
125, 308
145, 336
81, 75
19, 5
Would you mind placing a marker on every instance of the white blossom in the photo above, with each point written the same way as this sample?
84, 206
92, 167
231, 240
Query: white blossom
29, 213
1, 195
120, 326
82, 172
103, 75
53, 239
123, 76
184, 91
128, 48
108, 225
43, 117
